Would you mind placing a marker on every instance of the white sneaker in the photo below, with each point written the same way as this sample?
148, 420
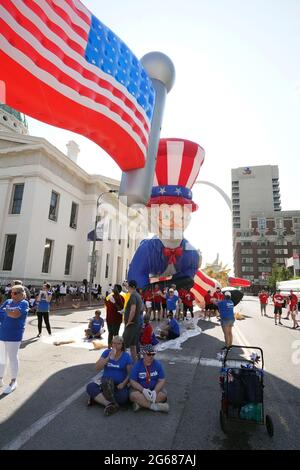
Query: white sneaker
163, 407
10, 388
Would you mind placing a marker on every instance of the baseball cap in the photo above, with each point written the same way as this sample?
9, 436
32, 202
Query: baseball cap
227, 294
132, 283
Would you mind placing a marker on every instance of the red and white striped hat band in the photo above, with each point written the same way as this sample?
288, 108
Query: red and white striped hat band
177, 167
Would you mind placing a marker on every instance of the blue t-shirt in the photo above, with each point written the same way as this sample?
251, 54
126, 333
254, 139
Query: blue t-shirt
174, 327
43, 305
172, 302
12, 329
97, 325
155, 372
116, 369
226, 309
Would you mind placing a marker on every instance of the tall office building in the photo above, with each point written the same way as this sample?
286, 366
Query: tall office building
263, 234
254, 189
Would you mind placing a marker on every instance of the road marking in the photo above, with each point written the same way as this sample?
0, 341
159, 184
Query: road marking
34, 428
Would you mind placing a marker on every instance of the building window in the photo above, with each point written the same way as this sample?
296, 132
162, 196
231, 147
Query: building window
246, 252
279, 223
47, 255
10, 244
69, 257
53, 209
280, 260
264, 260
109, 229
247, 269
281, 251
74, 214
247, 260
264, 269
17, 197
107, 266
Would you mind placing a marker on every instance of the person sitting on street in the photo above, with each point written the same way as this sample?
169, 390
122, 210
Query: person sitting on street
95, 328
113, 391
172, 330
147, 380
147, 332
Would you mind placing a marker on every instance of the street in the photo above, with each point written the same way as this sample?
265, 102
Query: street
48, 409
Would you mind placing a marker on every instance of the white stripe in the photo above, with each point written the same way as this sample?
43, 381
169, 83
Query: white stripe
174, 160
73, 15
203, 284
50, 13
32, 430
34, 18
82, 8
76, 76
196, 167
51, 81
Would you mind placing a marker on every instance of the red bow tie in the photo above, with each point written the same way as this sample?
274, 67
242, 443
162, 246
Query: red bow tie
172, 254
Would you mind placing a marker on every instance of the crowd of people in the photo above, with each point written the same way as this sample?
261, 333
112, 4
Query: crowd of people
280, 301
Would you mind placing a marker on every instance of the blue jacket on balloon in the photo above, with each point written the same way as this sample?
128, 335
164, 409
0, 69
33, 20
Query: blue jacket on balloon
150, 260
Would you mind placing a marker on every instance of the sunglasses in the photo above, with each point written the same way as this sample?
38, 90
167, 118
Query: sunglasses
150, 354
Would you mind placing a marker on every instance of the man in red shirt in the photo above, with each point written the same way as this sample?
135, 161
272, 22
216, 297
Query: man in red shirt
157, 302
187, 298
114, 303
278, 300
293, 307
218, 295
210, 307
263, 298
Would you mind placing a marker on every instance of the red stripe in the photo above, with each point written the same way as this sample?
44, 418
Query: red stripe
199, 289
205, 279
189, 153
64, 16
80, 13
62, 112
27, 24
65, 79
50, 25
161, 162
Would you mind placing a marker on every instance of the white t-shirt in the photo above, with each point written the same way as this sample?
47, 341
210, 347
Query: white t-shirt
63, 289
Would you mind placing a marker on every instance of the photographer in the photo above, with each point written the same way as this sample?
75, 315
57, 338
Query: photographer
43, 308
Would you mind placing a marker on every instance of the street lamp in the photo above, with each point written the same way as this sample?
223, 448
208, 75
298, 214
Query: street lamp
93, 257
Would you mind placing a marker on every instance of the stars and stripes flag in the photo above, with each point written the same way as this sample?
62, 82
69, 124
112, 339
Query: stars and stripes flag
63, 66
202, 284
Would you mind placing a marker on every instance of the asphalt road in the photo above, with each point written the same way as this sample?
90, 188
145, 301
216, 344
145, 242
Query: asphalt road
48, 409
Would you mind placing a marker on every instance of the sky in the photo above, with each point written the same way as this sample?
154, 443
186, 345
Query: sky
236, 93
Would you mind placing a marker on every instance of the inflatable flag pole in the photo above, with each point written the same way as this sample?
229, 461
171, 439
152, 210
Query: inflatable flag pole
136, 185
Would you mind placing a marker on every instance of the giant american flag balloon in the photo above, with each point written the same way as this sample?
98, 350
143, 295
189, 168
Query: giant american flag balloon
63, 66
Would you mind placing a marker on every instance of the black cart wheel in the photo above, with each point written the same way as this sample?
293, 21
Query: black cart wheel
223, 422
269, 426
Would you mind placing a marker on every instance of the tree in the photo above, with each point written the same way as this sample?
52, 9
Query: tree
279, 273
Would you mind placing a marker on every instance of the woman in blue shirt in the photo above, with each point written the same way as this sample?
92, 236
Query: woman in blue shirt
13, 314
113, 391
43, 308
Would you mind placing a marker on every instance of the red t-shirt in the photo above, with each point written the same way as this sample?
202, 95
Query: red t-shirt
208, 299
147, 295
263, 298
113, 317
293, 300
188, 298
278, 300
157, 296
146, 334
219, 295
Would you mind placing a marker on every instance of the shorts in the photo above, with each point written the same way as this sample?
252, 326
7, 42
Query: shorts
156, 305
148, 304
186, 308
227, 322
131, 335
278, 310
93, 389
210, 307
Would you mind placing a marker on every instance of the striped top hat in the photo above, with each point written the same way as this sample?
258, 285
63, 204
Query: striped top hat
177, 167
